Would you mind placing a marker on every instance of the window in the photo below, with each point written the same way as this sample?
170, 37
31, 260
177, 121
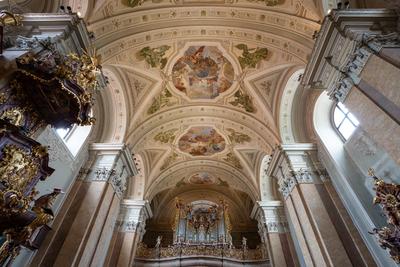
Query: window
345, 122
74, 137
64, 132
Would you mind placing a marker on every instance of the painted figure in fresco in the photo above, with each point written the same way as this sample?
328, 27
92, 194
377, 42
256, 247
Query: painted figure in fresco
203, 72
201, 178
201, 141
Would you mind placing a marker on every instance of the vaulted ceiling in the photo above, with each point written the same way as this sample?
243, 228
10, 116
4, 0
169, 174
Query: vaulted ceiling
197, 87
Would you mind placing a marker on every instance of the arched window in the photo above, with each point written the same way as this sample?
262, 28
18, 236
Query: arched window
345, 122
74, 137
65, 132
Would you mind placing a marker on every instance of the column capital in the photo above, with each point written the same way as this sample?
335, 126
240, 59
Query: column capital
271, 216
294, 164
113, 163
133, 215
376, 42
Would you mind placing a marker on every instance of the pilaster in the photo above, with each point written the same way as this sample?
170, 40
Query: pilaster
274, 233
128, 232
322, 231
298, 171
83, 235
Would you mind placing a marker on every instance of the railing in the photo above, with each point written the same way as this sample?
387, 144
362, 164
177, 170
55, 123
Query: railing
183, 250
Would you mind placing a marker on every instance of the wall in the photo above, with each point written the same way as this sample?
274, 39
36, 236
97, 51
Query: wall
351, 183
66, 170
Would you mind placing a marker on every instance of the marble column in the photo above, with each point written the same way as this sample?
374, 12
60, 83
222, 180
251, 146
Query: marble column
366, 47
82, 231
128, 232
274, 233
319, 231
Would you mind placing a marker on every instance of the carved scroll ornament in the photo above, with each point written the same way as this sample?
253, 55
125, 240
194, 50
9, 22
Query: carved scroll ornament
23, 162
388, 197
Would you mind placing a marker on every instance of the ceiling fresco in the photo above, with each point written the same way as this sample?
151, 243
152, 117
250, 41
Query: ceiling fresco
201, 141
202, 73
202, 178
201, 84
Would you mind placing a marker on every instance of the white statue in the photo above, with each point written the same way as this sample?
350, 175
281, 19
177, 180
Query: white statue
158, 243
244, 242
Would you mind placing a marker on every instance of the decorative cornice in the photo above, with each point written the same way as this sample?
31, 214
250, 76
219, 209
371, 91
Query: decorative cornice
340, 40
129, 24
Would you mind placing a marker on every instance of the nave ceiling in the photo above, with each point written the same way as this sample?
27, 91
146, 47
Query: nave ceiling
196, 87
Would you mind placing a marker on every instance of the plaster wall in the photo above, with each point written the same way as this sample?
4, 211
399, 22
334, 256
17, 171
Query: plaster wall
383, 76
66, 170
348, 180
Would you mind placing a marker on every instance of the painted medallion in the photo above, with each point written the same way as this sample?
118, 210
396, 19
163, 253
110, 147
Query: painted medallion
201, 141
202, 73
201, 178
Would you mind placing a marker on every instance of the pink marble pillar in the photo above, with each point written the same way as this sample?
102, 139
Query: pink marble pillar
82, 231
132, 222
274, 233
321, 232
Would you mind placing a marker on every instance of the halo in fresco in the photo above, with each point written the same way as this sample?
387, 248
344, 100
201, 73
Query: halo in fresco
202, 73
201, 178
201, 141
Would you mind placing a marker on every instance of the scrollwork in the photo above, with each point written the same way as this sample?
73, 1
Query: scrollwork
17, 168
388, 197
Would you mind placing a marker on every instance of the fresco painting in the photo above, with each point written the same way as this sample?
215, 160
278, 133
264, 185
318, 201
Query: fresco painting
201, 178
202, 73
201, 141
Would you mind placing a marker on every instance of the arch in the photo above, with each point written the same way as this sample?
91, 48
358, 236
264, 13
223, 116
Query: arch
285, 120
267, 191
114, 109
137, 183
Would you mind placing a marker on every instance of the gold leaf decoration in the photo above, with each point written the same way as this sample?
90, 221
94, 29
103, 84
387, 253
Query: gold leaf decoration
181, 183
232, 159
238, 138
155, 56
17, 168
268, 2
14, 116
166, 137
243, 100
168, 161
161, 101
251, 56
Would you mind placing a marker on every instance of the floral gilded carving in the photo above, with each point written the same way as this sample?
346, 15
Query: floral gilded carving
388, 197
232, 159
61, 87
155, 57
166, 137
251, 56
165, 99
243, 100
169, 160
23, 163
